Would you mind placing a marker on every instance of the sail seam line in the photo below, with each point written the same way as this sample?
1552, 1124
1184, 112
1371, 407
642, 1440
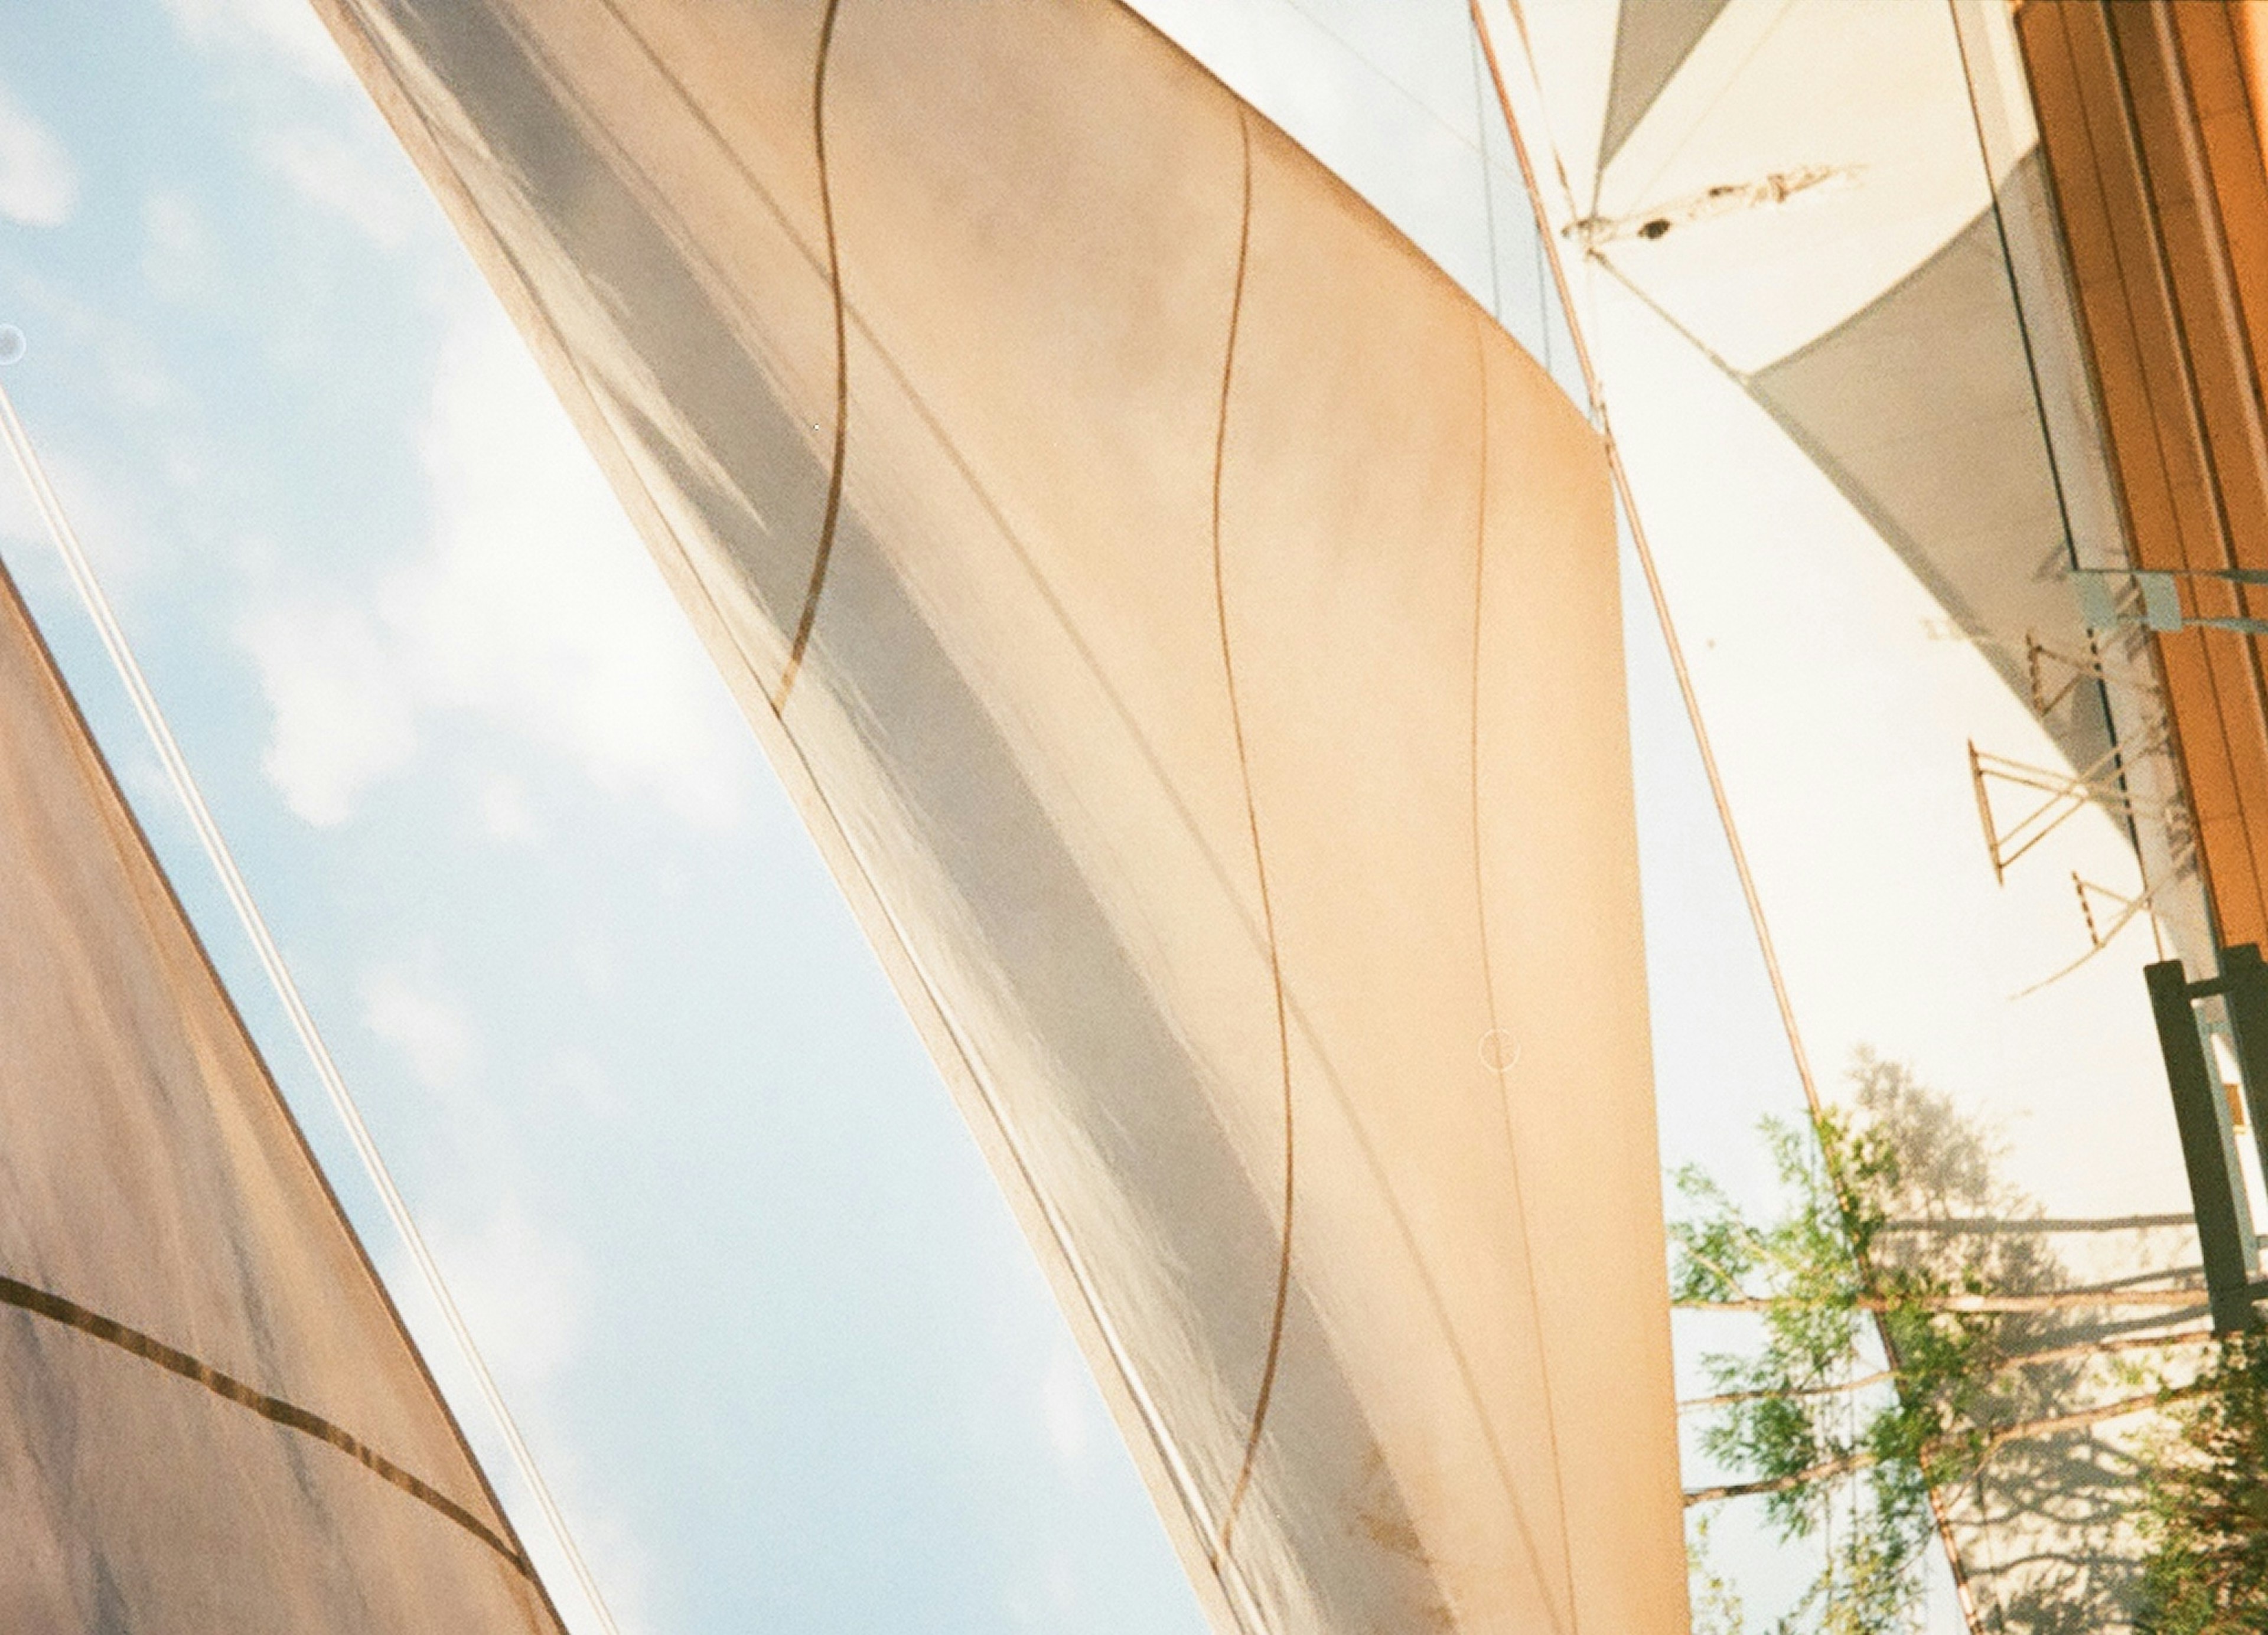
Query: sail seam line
1162, 1441
289, 1415
1184, 1481
825, 549
1259, 869
1488, 986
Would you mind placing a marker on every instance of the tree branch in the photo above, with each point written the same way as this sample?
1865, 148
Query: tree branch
2027, 1431
2061, 1300
1819, 1472
1731, 1397
2021, 1359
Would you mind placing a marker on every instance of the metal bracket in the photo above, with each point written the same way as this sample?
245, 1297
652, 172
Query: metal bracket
2062, 794
2156, 601
2077, 671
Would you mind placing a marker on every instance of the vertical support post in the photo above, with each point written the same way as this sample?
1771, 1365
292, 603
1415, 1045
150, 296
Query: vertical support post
2227, 1275
2245, 991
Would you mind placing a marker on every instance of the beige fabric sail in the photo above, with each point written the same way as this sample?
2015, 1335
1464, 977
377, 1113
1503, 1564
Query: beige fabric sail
1191, 629
214, 1420
1821, 276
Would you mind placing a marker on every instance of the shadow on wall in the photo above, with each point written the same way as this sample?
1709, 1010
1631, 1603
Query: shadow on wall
1930, 1365
2044, 1497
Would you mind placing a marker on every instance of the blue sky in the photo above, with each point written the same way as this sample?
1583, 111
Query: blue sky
735, 1262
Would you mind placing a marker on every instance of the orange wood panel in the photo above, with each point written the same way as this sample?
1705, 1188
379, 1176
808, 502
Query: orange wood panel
2248, 21
2148, 224
2209, 351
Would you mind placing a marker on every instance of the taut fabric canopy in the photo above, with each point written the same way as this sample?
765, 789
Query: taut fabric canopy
214, 1420
1191, 627
1819, 269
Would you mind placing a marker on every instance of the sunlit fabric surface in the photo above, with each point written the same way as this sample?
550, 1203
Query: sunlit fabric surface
1814, 251
1196, 649
214, 1419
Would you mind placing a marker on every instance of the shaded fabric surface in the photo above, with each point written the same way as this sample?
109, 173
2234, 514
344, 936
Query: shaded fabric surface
214, 1419
1948, 464
1198, 655
1941, 780
1652, 42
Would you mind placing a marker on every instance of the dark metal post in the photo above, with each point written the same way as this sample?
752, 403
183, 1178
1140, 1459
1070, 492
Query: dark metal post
2244, 990
2228, 1277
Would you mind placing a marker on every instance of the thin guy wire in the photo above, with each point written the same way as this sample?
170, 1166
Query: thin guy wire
279, 976
1488, 181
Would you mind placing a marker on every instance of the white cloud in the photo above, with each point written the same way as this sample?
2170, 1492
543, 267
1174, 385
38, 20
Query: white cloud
38, 185
131, 551
344, 716
284, 29
524, 1293
534, 607
538, 606
577, 1076
1063, 1392
19, 518
504, 812
177, 256
521, 1291
423, 1026
378, 198
1046, 1596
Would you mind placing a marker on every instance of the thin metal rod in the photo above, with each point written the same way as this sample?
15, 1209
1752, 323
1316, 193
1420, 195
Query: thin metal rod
2222, 1239
1659, 598
279, 976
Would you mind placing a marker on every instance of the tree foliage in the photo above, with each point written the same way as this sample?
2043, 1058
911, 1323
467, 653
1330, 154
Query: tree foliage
2207, 1515
1866, 1392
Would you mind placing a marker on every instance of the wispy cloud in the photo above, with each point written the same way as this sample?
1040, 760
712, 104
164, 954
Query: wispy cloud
532, 606
505, 813
1064, 1393
178, 255
1045, 1596
524, 1294
427, 1029
19, 519
39, 184
537, 606
374, 193
521, 1289
343, 714
287, 30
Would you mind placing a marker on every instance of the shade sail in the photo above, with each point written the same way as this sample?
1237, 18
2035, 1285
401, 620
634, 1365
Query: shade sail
214, 1419
1190, 627
1820, 277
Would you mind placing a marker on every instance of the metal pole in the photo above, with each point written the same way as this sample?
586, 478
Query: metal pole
2221, 1240
2245, 991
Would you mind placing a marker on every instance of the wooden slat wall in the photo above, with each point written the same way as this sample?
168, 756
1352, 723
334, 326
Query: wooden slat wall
2155, 153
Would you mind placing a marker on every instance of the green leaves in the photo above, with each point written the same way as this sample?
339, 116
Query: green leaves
1864, 1391
1827, 1456
2207, 1515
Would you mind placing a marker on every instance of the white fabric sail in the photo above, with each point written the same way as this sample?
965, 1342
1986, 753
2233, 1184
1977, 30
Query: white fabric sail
216, 1421
1190, 626
1811, 249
